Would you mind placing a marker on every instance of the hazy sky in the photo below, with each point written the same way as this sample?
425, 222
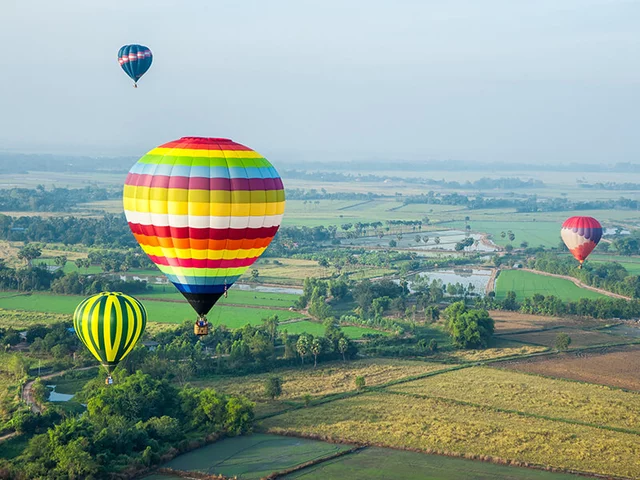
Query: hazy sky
537, 81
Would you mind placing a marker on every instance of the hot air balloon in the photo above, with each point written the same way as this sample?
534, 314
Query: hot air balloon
204, 210
135, 60
109, 324
581, 235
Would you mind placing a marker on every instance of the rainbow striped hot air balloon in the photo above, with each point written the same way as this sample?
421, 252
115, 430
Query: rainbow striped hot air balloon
135, 60
204, 210
581, 235
109, 324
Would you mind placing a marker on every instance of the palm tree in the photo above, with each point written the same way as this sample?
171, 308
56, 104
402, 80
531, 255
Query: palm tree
316, 349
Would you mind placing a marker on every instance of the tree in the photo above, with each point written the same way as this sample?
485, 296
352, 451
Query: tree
510, 303
302, 346
254, 275
343, 346
468, 328
418, 238
512, 236
40, 391
393, 243
60, 261
360, 382
29, 252
273, 387
503, 234
437, 240
562, 341
316, 349
271, 326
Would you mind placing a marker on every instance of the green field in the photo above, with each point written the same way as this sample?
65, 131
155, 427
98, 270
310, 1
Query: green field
158, 311
317, 329
235, 297
527, 284
253, 457
546, 234
382, 463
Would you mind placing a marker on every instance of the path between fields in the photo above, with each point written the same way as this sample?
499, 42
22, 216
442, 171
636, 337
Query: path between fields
577, 283
27, 391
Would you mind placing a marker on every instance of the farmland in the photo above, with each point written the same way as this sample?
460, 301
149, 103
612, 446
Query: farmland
315, 328
382, 463
527, 284
507, 390
435, 425
579, 338
327, 379
253, 457
608, 366
158, 311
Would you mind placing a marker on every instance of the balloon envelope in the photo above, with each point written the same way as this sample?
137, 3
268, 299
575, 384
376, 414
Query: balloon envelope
109, 324
204, 210
135, 60
581, 235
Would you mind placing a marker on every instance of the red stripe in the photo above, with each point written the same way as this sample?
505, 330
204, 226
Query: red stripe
205, 263
581, 222
201, 183
204, 233
205, 144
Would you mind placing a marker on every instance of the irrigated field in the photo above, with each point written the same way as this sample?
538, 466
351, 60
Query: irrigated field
255, 456
382, 464
608, 366
546, 234
531, 394
400, 420
527, 284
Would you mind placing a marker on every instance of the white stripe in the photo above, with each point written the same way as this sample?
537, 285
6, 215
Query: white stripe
194, 221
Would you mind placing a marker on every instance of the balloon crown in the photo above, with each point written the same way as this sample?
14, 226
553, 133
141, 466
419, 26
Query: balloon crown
206, 140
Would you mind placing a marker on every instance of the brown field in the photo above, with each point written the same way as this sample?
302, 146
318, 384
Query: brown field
579, 338
511, 322
615, 367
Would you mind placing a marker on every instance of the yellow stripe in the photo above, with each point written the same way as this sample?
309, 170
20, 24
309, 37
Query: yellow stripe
130, 324
202, 196
198, 152
204, 209
109, 353
85, 326
202, 254
119, 327
202, 272
138, 317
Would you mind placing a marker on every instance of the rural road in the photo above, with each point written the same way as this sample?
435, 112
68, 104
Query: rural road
578, 283
27, 391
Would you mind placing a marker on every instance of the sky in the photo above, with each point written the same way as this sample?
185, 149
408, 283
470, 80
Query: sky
545, 81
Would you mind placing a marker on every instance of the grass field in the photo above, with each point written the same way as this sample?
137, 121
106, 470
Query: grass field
254, 456
235, 297
527, 284
579, 338
546, 234
395, 420
326, 379
608, 366
532, 394
164, 312
21, 319
317, 329
382, 464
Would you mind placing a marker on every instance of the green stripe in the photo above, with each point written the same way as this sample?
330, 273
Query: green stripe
205, 161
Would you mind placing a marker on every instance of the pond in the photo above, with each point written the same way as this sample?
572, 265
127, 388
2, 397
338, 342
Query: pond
478, 277
58, 397
625, 329
267, 289
448, 240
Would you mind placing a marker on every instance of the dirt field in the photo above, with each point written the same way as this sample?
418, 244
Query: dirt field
507, 322
615, 367
579, 338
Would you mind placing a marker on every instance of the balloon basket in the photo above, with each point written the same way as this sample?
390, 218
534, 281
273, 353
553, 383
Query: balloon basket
108, 381
201, 327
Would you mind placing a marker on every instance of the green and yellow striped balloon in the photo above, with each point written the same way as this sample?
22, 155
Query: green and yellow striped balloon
109, 324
